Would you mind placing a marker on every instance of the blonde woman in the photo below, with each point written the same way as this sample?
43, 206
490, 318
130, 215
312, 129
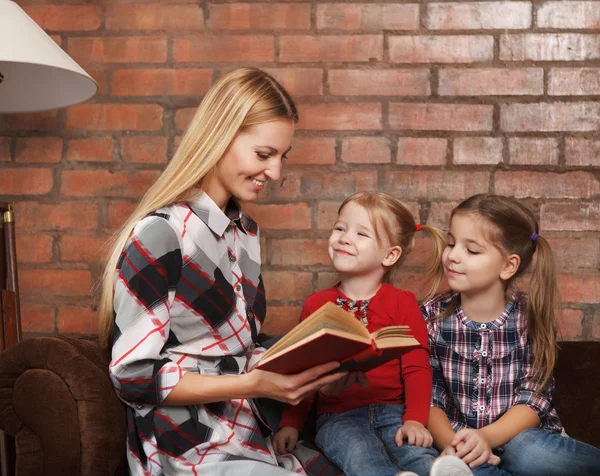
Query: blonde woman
183, 299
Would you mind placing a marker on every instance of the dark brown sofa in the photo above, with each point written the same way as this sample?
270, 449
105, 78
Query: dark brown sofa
58, 402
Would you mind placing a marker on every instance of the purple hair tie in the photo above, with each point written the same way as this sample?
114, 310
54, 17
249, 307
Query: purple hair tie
534, 236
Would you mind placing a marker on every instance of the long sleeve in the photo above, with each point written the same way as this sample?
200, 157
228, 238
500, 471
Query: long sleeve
146, 277
416, 369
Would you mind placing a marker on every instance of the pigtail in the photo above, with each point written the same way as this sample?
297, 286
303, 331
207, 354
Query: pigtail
543, 293
434, 269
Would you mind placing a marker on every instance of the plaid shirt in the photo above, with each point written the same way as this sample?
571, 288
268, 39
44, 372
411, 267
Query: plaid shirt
189, 297
480, 370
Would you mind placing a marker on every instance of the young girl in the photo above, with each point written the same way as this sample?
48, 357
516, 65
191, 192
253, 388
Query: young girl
362, 430
183, 298
493, 349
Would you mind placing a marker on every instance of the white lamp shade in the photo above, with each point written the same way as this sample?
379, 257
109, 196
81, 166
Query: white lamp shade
38, 74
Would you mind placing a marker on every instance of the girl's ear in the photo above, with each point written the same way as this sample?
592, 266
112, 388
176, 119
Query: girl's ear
392, 256
511, 266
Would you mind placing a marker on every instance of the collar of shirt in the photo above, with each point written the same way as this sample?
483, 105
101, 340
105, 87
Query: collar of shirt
208, 211
496, 323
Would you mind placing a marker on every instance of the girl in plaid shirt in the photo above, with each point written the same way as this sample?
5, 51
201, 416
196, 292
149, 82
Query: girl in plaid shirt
493, 350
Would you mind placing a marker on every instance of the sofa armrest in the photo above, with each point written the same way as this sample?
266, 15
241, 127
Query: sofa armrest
57, 400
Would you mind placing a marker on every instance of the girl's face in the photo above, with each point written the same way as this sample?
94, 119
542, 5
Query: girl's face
254, 157
473, 264
353, 248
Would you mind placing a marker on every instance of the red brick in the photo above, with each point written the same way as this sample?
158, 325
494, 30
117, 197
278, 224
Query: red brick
365, 17
38, 150
115, 117
330, 48
100, 76
570, 216
477, 150
340, 116
441, 49
491, 82
161, 82
55, 282
582, 152
66, 215
370, 82
366, 180
34, 248
327, 213
578, 116
118, 212
319, 183
579, 288
91, 149
547, 184
549, 47
183, 117
439, 213
37, 317
281, 319
297, 252
65, 17
533, 151
144, 149
572, 15
423, 151
223, 48
129, 49
299, 81
569, 323
596, 325
574, 81
5, 144
260, 16
77, 320
312, 150
83, 248
154, 17
366, 150
287, 285
31, 121
441, 185
479, 16
575, 254
442, 117
26, 181
103, 183
291, 216
327, 280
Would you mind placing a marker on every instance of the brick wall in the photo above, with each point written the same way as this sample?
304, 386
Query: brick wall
430, 101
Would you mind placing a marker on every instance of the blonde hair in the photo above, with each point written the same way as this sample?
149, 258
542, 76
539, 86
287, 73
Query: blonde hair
390, 216
515, 230
240, 99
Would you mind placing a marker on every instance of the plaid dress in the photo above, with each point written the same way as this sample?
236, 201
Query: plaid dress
480, 370
189, 297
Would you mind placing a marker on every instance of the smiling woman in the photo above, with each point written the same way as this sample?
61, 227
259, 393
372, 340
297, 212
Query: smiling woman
183, 298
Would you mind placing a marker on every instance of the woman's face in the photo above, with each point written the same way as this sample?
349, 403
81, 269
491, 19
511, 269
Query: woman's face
254, 157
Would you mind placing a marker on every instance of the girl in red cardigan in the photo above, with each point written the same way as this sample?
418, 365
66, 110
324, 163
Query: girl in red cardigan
365, 429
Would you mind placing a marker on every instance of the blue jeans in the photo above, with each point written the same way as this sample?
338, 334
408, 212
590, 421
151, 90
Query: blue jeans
361, 442
533, 452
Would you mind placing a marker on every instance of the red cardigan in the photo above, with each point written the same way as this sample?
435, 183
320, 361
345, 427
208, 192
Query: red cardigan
406, 380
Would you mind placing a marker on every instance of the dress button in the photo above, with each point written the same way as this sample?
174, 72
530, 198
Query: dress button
139, 406
250, 315
483, 326
481, 407
484, 353
228, 229
238, 287
481, 381
232, 258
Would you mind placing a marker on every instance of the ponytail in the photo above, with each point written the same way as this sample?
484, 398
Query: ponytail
434, 269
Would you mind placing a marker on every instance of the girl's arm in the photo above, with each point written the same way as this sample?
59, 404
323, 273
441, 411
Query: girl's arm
509, 425
440, 428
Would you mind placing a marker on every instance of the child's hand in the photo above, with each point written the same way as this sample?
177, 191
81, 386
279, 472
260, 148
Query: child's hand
472, 447
285, 440
415, 433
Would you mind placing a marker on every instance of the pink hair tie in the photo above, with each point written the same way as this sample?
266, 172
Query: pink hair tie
418, 227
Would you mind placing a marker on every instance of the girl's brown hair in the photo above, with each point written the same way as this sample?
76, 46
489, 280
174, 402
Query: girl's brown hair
390, 216
515, 230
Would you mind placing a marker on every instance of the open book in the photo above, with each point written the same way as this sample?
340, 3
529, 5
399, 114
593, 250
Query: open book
332, 334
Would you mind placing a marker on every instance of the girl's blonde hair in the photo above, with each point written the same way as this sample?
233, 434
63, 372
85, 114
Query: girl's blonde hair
240, 99
391, 217
515, 230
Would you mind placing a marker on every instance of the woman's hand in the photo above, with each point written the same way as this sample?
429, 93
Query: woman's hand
415, 434
292, 389
342, 384
285, 440
475, 449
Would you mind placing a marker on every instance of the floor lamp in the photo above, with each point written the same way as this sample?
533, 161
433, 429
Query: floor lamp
35, 75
